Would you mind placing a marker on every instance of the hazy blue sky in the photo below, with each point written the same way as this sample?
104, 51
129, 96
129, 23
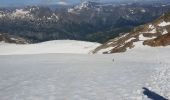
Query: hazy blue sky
35, 2
30, 2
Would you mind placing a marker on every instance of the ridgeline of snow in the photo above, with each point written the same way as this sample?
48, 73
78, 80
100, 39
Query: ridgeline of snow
86, 5
20, 12
86, 77
27, 14
83, 5
56, 46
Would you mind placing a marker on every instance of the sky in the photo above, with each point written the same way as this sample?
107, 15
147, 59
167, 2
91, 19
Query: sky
19, 2
9, 3
4, 3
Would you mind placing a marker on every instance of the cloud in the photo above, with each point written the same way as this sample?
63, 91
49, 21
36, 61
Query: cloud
62, 3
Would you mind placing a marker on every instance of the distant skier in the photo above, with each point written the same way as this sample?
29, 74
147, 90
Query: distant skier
113, 60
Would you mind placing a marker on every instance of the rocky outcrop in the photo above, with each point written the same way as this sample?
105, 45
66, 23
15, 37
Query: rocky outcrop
152, 34
163, 40
12, 39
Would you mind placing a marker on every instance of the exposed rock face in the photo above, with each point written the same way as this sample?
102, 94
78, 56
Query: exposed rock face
163, 40
152, 34
11, 39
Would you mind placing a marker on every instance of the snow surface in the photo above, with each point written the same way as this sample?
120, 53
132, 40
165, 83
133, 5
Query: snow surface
143, 10
151, 31
86, 77
108, 50
162, 24
56, 46
129, 40
2, 15
151, 26
82, 5
70, 10
164, 32
20, 13
141, 37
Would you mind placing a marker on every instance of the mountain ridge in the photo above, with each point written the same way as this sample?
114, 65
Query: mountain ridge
96, 23
152, 34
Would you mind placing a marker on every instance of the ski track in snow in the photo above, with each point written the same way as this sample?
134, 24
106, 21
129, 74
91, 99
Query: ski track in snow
85, 77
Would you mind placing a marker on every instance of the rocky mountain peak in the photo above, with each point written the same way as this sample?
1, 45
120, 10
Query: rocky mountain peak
86, 5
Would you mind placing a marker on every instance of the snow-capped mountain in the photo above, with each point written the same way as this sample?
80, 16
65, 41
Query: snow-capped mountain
86, 5
29, 13
152, 34
89, 21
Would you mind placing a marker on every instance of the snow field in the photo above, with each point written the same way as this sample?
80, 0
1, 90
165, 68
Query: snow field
56, 46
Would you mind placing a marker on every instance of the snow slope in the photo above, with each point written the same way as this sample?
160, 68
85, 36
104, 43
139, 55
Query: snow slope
56, 46
153, 34
86, 77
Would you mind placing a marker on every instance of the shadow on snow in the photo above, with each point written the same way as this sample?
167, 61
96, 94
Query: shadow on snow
152, 95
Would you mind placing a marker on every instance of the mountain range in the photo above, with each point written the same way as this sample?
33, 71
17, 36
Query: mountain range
88, 21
